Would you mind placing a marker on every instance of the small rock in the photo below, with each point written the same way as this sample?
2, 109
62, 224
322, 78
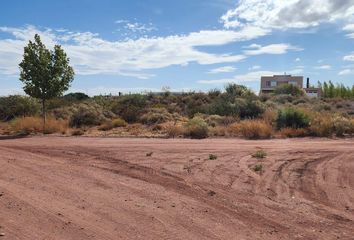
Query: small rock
2, 234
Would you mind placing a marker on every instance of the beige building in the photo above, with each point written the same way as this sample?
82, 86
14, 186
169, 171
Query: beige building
269, 83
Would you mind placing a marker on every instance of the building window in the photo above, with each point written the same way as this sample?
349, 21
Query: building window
273, 83
294, 83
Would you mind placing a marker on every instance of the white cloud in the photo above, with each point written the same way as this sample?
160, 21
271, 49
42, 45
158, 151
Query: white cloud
349, 28
346, 72
324, 67
226, 69
297, 60
249, 77
349, 58
289, 14
91, 54
281, 48
136, 27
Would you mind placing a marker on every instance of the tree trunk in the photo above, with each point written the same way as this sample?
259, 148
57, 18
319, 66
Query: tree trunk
44, 115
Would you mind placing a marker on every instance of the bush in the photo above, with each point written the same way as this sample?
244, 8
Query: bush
156, 116
292, 118
130, 107
108, 125
252, 129
87, 115
118, 122
213, 157
173, 129
78, 96
17, 106
77, 132
240, 107
289, 89
28, 125
234, 90
327, 125
197, 128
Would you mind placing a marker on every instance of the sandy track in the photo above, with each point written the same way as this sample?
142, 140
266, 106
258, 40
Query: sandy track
102, 188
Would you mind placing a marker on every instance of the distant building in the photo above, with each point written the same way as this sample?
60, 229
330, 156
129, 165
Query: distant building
269, 83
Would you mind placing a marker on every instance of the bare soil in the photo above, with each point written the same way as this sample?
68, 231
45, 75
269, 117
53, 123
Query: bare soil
113, 188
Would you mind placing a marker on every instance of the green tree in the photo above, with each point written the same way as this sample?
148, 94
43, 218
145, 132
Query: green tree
45, 73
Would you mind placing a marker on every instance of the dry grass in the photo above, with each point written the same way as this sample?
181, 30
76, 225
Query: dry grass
252, 129
293, 132
173, 129
30, 125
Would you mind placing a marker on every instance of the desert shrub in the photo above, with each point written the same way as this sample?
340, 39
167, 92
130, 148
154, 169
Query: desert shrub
17, 106
87, 115
293, 132
106, 126
77, 132
240, 107
118, 122
213, 157
130, 107
252, 129
283, 98
250, 108
196, 128
173, 129
218, 131
288, 89
234, 90
214, 120
156, 116
327, 125
301, 100
28, 125
269, 116
292, 118
77, 96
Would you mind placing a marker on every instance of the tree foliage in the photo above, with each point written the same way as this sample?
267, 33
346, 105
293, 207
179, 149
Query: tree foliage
329, 90
45, 73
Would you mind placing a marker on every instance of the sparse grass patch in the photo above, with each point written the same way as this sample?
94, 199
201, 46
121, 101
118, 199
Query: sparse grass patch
258, 168
259, 154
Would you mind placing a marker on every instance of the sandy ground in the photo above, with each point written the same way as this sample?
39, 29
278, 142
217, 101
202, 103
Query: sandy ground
106, 188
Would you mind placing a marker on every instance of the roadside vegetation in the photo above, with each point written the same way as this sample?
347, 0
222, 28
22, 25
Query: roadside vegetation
234, 112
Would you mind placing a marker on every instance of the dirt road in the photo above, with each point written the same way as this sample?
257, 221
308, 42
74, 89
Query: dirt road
105, 188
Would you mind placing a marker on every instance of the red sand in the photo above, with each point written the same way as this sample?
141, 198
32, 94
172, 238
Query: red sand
106, 188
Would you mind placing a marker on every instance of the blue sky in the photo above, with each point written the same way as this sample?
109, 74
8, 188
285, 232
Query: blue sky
138, 45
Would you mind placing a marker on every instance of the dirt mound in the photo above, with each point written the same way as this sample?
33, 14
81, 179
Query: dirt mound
106, 188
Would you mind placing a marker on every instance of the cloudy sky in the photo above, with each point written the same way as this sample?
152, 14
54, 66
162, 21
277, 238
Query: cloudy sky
139, 45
